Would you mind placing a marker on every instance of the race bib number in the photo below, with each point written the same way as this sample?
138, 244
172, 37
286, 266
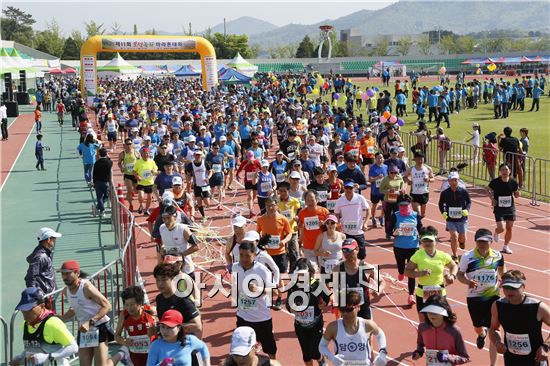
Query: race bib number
370, 150
281, 177
392, 197
247, 303
518, 344
323, 195
90, 339
205, 189
306, 316
312, 223
265, 186
140, 344
378, 182
354, 152
486, 278
130, 167
431, 291
291, 155
505, 201
147, 174
330, 264
431, 358
274, 242
421, 187
217, 168
331, 204
455, 212
407, 229
287, 214
350, 226
250, 176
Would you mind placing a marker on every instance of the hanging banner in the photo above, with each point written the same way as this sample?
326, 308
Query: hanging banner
147, 44
89, 78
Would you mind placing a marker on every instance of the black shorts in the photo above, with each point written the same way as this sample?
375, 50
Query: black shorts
264, 334
281, 260
480, 310
199, 193
366, 161
309, 339
146, 189
106, 333
420, 198
376, 199
504, 215
111, 136
130, 177
249, 185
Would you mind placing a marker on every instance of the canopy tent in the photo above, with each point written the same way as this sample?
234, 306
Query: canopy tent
118, 67
232, 76
187, 71
222, 69
396, 68
153, 69
242, 66
56, 71
69, 70
503, 60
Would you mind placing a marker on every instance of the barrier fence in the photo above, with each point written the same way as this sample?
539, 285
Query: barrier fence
530, 172
110, 280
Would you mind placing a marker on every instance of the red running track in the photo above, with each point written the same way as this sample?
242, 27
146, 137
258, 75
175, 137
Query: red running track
19, 132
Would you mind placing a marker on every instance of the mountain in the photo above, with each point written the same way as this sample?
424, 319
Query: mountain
243, 25
413, 17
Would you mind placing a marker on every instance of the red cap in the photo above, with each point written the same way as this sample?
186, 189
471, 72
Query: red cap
145, 149
70, 266
349, 244
171, 318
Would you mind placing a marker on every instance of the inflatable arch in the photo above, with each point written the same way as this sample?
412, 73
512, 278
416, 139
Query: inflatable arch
115, 43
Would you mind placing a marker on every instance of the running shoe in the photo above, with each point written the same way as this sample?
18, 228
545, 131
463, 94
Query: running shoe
373, 220
462, 245
381, 220
506, 249
140, 210
496, 237
146, 212
411, 300
401, 277
278, 304
480, 341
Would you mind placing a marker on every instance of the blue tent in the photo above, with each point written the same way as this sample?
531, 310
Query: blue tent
187, 71
232, 76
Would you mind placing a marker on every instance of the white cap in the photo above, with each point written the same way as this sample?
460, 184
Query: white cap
46, 233
134, 129
191, 138
202, 127
251, 236
147, 138
295, 175
265, 163
238, 221
453, 175
435, 309
243, 341
177, 180
332, 168
223, 138
167, 195
400, 149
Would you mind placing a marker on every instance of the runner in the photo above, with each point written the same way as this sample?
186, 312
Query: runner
502, 191
352, 336
145, 171
232, 247
309, 224
289, 206
216, 160
199, 172
320, 185
521, 318
243, 350
265, 185
391, 187
480, 269
454, 205
41, 273
250, 166
419, 177
126, 161
328, 247
377, 172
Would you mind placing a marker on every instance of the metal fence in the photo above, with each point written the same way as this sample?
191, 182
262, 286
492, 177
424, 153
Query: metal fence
530, 172
110, 280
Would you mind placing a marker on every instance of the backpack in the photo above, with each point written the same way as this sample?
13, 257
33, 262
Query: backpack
446, 144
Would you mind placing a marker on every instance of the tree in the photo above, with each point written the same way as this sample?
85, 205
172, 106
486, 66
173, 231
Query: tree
135, 30
424, 45
448, 45
50, 40
255, 50
94, 29
70, 50
404, 46
495, 45
116, 28
305, 48
16, 25
228, 46
542, 44
465, 44
341, 49
380, 48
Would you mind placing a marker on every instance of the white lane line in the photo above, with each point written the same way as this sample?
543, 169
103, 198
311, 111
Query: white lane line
16, 158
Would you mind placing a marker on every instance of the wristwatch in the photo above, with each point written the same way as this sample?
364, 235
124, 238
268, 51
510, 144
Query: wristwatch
383, 350
91, 322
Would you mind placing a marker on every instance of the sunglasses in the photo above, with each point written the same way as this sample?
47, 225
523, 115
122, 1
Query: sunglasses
347, 309
393, 173
348, 250
330, 223
130, 144
348, 187
164, 147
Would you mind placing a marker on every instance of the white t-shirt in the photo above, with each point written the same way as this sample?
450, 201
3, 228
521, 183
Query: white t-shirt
476, 139
3, 112
249, 308
174, 240
315, 152
352, 213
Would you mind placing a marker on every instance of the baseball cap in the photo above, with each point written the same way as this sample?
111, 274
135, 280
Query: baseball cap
147, 138
393, 168
251, 236
30, 297
453, 175
331, 218
295, 175
513, 283
177, 180
191, 139
483, 235
171, 259
349, 244
265, 163
331, 168
198, 152
238, 221
168, 211
280, 152
250, 155
171, 318
145, 149
242, 341
428, 237
70, 266
400, 149
349, 183
134, 129
435, 309
393, 150
202, 128
46, 233
168, 196
367, 130
223, 138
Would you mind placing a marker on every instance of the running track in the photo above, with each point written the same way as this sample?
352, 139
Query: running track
531, 255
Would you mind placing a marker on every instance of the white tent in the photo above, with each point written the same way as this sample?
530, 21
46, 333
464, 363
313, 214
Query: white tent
241, 65
120, 68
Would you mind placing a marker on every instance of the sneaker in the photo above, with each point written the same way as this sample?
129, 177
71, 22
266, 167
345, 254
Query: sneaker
381, 220
146, 212
140, 210
101, 214
411, 300
401, 277
373, 220
388, 237
506, 250
125, 356
278, 304
496, 237
462, 245
480, 341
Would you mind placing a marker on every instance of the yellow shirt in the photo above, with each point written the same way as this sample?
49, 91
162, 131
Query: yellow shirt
146, 170
289, 209
55, 331
436, 264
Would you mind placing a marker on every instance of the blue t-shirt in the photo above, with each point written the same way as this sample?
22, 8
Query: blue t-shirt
244, 131
181, 356
537, 92
375, 171
219, 131
163, 181
401, 99
88, 152
407, 237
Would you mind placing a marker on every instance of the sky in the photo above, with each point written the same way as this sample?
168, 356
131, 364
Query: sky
173, 16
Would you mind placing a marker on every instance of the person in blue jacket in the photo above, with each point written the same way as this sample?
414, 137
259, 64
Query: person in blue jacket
87, 150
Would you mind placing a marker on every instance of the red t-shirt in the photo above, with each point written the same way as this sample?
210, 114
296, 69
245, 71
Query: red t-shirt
250, 168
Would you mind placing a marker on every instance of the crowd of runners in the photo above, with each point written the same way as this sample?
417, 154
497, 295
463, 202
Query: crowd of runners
320, 180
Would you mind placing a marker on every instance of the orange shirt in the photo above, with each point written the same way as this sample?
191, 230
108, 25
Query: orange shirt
278, 228
310, 220
353, 149
37, 115
368, 147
